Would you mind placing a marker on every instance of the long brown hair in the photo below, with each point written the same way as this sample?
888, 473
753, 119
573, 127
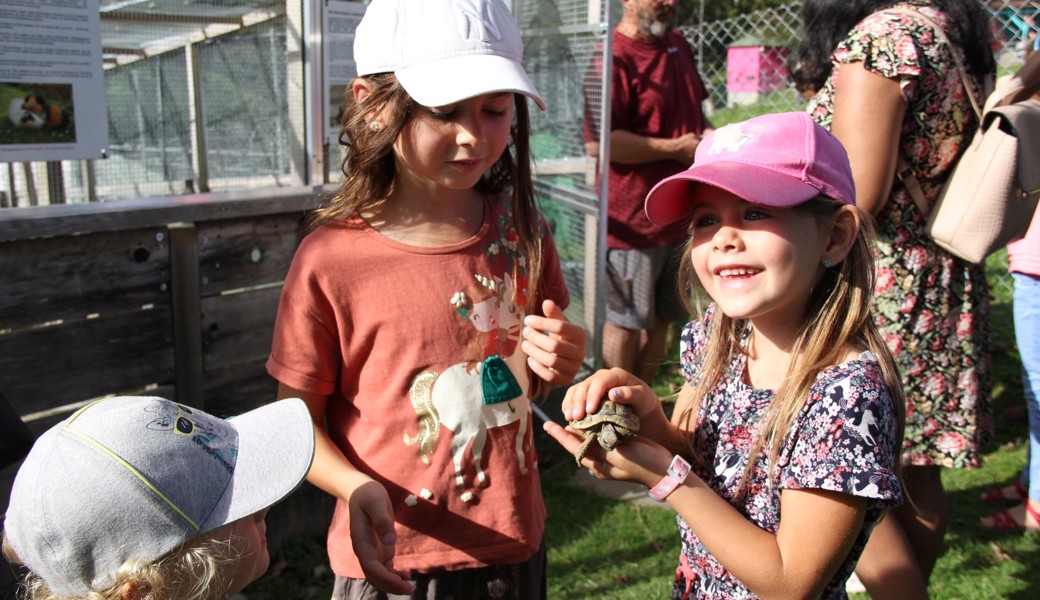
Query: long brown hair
369, 171
839, 314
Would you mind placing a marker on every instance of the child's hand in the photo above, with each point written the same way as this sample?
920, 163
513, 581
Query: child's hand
618, 385
643, 459
373, 537
555, 347
622, 387
639, 460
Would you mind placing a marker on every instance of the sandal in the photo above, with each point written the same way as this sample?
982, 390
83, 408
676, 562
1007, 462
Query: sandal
996, 495
1003, 520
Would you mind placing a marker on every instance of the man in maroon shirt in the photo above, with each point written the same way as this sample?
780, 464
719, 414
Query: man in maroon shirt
656, 123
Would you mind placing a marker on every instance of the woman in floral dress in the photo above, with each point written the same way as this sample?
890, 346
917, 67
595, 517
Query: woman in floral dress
887, 86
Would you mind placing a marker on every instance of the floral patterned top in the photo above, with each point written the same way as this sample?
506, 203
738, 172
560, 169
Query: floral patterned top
932, 307
843, 440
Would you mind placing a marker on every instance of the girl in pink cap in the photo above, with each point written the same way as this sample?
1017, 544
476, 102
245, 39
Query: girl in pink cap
781, 453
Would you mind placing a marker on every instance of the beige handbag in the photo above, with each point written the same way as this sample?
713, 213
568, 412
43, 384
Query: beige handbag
992, 192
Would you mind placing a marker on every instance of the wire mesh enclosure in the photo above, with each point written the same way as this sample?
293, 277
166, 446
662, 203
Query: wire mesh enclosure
212, 96
206, 95
561, 39
198, 99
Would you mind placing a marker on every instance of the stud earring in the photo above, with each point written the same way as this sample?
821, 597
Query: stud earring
375, 127
827, 263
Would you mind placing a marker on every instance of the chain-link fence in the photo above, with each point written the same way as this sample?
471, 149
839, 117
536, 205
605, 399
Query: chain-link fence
742, 63
742, 59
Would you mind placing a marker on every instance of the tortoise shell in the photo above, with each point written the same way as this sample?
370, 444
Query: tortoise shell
610, 425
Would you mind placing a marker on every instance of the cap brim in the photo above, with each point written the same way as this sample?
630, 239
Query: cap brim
451, 80
670, 200
275, 450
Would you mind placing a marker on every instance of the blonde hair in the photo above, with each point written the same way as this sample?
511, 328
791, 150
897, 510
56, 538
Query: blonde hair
198, 570
369, 170
838, 315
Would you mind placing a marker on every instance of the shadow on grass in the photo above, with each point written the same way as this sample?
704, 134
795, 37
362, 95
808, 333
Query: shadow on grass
598, 546
986, 563
602, 547
998, 564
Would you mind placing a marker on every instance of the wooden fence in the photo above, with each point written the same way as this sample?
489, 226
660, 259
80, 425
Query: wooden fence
173, 297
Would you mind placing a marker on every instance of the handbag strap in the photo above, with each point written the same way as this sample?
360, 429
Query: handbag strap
913, 187
903, 169
958, 60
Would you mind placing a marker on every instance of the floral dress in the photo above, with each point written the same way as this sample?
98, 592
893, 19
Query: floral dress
843, 440
932, 307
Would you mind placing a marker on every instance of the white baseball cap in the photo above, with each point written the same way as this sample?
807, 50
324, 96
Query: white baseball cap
444, 51
137, 477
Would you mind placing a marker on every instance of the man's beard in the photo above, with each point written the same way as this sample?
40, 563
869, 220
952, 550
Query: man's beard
656, 24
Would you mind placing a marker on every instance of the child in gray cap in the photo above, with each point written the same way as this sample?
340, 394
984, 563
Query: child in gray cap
140, 498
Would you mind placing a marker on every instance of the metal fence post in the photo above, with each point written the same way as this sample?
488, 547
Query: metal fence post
196, 119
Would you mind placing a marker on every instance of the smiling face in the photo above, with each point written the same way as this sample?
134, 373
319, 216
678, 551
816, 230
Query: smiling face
450, 147
756, 262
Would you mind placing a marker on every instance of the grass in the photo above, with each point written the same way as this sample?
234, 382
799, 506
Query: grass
602, 548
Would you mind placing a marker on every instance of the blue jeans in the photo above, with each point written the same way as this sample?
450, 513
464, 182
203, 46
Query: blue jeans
1027, 333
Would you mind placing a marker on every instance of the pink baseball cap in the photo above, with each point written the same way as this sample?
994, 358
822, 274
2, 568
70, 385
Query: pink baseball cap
778, 160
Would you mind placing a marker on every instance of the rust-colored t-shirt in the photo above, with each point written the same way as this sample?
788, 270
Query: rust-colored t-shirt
417, 350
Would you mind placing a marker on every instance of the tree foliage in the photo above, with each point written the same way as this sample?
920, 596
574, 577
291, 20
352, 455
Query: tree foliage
714, 10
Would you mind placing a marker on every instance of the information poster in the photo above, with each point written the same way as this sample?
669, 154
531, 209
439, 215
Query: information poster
52, 86
340, 21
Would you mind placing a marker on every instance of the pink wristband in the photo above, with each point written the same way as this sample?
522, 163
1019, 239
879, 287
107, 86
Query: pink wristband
677, 472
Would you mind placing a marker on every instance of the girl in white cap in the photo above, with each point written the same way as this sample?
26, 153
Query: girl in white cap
781, 453
424, 310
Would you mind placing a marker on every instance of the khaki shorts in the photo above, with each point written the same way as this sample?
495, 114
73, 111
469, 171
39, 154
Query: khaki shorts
642, 285
521, 581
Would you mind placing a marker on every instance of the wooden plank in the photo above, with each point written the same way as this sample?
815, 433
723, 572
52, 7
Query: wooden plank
237, 328
187, 318
241, 253
68, 219
73, 277
52, 366
239, 388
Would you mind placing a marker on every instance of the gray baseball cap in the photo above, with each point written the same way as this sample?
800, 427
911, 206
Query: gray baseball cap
137, 477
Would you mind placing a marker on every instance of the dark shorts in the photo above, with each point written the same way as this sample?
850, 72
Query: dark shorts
521, 581
642, 285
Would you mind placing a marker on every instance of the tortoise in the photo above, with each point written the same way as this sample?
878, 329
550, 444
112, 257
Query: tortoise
610, 425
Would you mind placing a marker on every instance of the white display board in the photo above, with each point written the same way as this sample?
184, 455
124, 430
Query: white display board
52, 86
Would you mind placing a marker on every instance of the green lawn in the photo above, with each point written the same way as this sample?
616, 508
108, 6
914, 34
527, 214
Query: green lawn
600, 548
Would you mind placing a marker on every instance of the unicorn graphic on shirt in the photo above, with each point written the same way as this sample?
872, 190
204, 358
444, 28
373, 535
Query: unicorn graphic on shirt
471, 397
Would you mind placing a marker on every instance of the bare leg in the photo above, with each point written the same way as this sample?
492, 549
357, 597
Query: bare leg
620, 347
888, 568
924, 518
653, 350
